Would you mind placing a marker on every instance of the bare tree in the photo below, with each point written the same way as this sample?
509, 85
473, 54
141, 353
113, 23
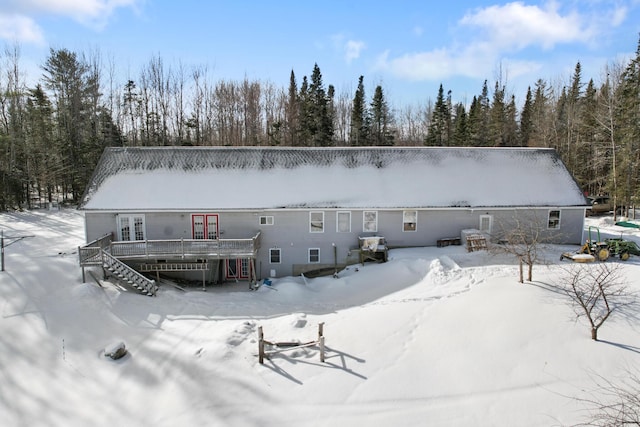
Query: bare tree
614, 403
596, 292
524, 237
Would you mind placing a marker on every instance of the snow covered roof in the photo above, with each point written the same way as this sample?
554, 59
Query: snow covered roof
228, 178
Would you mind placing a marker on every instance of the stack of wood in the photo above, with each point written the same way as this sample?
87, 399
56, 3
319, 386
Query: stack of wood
474, 240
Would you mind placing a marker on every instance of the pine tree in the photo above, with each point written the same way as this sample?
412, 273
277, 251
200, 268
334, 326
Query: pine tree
526, 120
460, 135
381, 120
359, 134
540, 120
47, 163
321, 127
628, 113
73, 88
440, 127
510, 134
497, 119
305, 115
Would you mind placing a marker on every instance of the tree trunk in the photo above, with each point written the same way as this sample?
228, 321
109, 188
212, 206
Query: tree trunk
521, 271
594, 334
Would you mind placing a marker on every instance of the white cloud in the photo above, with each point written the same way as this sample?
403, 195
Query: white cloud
18, 22
352, 49
20, 29
88, 12
498, 32
619, 15
516, 25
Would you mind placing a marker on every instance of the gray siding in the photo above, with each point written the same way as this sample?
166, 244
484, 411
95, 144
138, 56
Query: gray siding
291, 234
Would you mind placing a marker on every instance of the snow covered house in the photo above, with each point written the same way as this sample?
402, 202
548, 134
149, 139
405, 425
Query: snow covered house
248, 213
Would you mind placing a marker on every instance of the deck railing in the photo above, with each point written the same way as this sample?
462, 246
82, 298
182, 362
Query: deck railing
186, 248
90, 254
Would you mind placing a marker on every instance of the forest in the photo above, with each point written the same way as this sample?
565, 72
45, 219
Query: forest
53, 132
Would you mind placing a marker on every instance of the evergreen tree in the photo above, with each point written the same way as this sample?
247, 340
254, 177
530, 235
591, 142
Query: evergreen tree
497, 119
381, 120
526, 120
359, 134
592, 142
474, 122
75, 92
291, 112
305, 115
510, 134
440, 126
628, 115
321, 127
541, 123
460, 135
46, 162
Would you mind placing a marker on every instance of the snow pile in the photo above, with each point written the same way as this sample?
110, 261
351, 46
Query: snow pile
435, 336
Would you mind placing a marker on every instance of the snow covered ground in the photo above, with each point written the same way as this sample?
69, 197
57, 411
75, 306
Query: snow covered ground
436, 336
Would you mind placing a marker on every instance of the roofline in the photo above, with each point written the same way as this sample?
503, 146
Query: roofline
336, 209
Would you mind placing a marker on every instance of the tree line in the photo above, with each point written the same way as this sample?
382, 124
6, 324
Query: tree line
53, 132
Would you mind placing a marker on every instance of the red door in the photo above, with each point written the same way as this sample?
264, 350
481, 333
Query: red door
204, 226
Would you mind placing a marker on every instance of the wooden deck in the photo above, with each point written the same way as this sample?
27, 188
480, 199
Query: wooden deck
176, 250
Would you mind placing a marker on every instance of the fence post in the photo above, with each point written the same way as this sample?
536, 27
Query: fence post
321, 340
260, 345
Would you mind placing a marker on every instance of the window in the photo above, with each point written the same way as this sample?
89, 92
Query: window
266, 220
370, 221
343, 221
131, 227
409, 220
486, 221
314, 255
316, 222
274, 256
204, 226
554, 219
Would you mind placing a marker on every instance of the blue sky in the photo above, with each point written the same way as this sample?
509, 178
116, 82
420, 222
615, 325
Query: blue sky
408, 47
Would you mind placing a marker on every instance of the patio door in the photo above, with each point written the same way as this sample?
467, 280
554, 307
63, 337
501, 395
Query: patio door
131, 227
238, 269
204, 226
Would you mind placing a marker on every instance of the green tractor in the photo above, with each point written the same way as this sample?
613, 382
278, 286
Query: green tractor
622, 248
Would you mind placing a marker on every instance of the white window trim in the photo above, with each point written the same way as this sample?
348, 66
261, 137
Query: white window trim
268, 220
364, 221
279, 257
405, 222
132, 230
490, 217
311, 230
309, 256
559, 219
338, 221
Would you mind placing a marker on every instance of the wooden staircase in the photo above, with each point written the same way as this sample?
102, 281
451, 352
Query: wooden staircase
128, 275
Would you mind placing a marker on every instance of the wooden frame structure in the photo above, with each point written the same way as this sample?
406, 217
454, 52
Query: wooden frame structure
288, 345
